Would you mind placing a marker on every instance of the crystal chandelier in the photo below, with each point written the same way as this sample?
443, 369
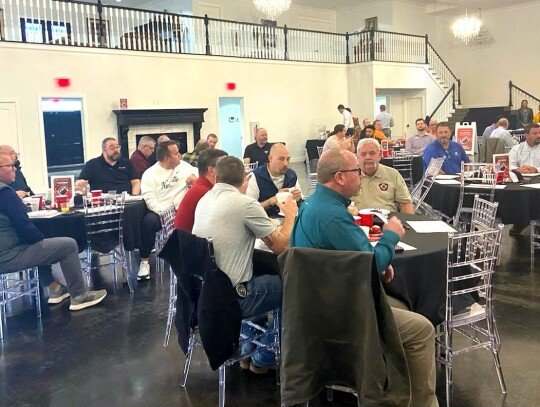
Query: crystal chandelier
272, 8
465, 28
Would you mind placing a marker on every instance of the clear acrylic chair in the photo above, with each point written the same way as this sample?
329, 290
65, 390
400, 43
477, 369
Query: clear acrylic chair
251, 166
166, 218
320, 150
419, 193
17, 285
103, 218
484, 214
403, 162
171, 312
311, 172
476, 252
535, 239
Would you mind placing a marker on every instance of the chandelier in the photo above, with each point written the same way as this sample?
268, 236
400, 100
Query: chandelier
465, 28
272, 8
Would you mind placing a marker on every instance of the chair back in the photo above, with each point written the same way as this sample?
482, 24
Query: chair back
337, 328
419, 193
166, 218
489, 147
251, 166
320, 150
402, 162
484, 214
103, 220
311, 172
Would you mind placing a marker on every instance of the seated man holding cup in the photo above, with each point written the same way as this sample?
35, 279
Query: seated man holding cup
381, 186
274, 177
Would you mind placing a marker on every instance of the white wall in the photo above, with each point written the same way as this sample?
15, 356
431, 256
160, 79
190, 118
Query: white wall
351, 19
289, 99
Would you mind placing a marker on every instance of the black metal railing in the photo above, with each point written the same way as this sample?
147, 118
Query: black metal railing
446, 106
516, 95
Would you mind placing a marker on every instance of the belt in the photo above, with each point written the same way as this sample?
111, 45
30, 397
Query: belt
241, 290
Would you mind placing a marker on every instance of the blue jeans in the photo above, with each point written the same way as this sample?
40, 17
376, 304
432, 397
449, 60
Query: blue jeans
263, 295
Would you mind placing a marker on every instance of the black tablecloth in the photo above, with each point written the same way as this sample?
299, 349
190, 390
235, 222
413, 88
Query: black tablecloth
72, 225
517, 204
417, 166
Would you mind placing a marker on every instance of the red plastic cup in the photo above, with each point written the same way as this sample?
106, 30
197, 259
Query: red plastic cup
366, 218
63, 203
387, 153
500, 177
96, 193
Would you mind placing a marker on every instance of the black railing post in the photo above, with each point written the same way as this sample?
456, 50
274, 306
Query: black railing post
510, 94
285, 31
454, 95
459, 92
347, 58
427, 50
100, 23
372, 45
206, 22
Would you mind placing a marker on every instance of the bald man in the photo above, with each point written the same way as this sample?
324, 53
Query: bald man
258, 151
267, 180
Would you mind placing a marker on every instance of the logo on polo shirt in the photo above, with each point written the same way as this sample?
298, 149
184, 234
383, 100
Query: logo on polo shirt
383, 186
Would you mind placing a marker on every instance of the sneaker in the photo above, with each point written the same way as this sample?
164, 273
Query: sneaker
58, 295
87, 299
144, 271
257, 369
245, 363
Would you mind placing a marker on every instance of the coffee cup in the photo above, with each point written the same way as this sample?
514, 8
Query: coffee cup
38, 199
283, 196
366, 218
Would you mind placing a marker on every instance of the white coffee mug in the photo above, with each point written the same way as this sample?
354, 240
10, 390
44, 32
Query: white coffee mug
283, 196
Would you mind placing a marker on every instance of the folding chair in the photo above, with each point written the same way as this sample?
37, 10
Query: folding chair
104, 234
320, 150
535, 239
167, 226
251, 166
402, 162
17, 285
476, 252
420, 191
311, 172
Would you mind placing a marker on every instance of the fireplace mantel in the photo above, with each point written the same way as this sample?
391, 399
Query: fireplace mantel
149, 117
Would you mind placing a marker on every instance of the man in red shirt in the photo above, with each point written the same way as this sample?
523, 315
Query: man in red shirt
185, 215
139, 158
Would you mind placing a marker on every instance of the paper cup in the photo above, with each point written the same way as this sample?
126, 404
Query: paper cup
37, 200
283, 196
366, 218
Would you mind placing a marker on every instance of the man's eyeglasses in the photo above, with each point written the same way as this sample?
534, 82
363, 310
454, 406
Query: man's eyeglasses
359, 170
8, 165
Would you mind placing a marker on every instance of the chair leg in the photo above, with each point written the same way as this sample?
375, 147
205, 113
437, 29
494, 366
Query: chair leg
192, 343
222, 386
329, 394
38, 296
168, 328
495, 354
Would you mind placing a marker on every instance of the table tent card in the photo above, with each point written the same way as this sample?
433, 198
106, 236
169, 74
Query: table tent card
503, 162
62, 186
466, 136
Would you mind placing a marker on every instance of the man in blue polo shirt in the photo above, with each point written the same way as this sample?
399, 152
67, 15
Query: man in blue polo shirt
452, 152
109, 171
324, 222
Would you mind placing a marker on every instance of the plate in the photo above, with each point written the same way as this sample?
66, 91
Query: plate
446, 176
534, 174
382, 211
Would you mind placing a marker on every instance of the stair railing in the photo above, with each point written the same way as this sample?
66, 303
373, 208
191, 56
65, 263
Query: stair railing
442, 71
446, 106
516, 95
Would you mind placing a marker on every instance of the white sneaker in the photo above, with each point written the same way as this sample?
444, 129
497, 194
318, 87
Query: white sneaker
144, 271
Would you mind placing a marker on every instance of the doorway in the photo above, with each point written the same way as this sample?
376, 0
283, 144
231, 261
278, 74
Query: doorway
62, 123
414, 109
231, 125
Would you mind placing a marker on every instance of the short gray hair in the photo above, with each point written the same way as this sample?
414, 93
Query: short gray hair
145, 141
366, 141
330, 162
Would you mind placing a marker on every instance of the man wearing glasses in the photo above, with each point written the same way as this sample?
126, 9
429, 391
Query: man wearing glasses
139, 158
19, 185
109, 171
324, 222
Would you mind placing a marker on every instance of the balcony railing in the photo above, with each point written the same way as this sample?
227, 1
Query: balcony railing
74, 23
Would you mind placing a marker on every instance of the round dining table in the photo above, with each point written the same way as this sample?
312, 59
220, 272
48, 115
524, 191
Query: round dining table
518, 204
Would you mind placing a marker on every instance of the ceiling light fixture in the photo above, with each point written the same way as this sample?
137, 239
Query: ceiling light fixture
272, 8
466, 28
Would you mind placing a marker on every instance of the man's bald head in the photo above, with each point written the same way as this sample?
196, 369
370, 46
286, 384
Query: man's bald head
278, 159
5, 149
330, 162
338, 170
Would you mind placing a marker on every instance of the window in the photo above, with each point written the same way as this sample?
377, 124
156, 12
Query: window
41, 31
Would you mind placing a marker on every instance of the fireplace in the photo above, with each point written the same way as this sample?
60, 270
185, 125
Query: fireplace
180, 138
134, 123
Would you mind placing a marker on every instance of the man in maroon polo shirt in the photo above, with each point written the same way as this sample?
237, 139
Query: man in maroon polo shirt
139, 158
185, 215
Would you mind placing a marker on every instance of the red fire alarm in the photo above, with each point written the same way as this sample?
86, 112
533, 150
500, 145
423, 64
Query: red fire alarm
231, 86
376, 90
63, 82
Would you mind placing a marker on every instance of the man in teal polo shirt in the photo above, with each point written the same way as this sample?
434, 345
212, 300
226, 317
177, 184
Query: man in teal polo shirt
324, 222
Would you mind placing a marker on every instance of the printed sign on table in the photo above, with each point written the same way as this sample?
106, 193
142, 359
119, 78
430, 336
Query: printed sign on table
466, 136
384, 145
503, 160
62, 186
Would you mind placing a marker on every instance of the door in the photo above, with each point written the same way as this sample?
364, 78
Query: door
414, 109
231, 126
8, 124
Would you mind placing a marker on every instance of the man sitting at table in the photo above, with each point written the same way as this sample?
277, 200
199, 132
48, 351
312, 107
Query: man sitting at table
22, 245
164, 183
323, 222
502, 132
212, 140
274, 177
235, 221
417, 143
193, 157
139, 158
258, 151
185, 215
442, 146
109, 171
525, 159
20, 185
381, 186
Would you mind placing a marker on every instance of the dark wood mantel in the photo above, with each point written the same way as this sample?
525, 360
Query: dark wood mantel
149, 117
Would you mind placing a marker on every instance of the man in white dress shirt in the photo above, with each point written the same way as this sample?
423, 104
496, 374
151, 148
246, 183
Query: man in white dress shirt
502, 132
347, 119
387, 121
164, 183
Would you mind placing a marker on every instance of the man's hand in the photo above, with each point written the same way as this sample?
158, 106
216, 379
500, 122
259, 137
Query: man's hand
289, 208
22, 194
394, 224
191, 179
388, 274
296, 194
527, 169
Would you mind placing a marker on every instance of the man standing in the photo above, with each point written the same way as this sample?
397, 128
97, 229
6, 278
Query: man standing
193, 157
452, 152
387, 121
347, 119
258, 151
164, 183
502, 132
324, 223
418, 142
19, 185
234, 221
139, 158
212, 140
22, 245
109, 171
381, 186
524, 115
274, 177
185, 215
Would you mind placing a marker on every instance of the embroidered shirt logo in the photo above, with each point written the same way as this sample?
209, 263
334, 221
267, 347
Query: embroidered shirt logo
383, 186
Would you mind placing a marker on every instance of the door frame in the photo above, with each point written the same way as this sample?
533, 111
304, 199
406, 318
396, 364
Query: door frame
406, 109
16, 102
84, 125
242, 119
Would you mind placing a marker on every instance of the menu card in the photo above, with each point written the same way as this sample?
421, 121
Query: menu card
430, 226
62, 186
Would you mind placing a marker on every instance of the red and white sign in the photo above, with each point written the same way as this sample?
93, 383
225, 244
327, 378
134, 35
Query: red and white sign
466, 136
503, 161
62, 186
